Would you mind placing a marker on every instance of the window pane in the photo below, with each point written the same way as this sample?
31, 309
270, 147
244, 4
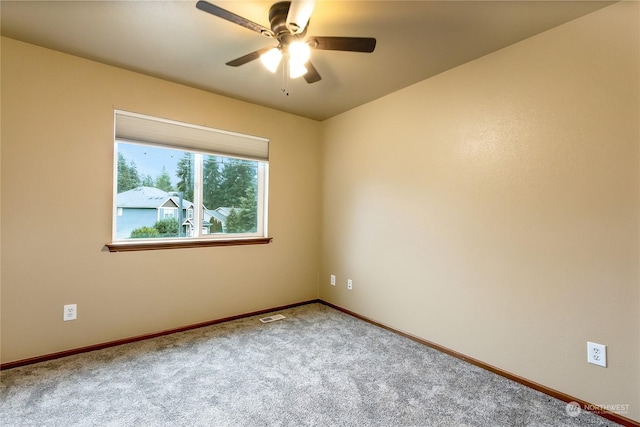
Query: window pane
156, 196
230, 194
152, 183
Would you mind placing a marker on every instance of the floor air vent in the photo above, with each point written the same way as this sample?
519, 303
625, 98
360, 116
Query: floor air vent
272, 318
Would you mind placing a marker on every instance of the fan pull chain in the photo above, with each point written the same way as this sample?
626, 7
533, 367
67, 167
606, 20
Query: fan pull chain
285, 76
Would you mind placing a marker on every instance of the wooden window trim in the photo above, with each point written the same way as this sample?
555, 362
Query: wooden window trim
181, 244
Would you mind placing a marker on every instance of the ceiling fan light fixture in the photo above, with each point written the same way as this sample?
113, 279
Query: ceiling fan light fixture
271, 59
299, 14
288, 24
296, 69
299, 52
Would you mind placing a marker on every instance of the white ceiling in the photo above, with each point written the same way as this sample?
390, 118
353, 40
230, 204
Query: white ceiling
175, 41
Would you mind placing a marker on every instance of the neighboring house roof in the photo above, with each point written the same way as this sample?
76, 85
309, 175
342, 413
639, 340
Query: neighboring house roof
225, 211
148, 198
214, 214
154, 198
219, 214
186, 204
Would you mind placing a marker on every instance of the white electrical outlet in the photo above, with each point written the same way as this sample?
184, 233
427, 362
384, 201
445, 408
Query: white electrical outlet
349, 284
70, 312
333, 280
597, 354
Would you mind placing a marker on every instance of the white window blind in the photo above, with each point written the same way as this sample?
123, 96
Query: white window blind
135, 127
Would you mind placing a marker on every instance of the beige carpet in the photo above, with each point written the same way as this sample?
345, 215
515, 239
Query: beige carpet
316, 367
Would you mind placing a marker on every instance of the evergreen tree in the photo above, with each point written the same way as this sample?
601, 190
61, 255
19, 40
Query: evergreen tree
248, 216
212, 178
184, 172
233, 224
127, 175
237, 176
163, 181
216, 226
147, 181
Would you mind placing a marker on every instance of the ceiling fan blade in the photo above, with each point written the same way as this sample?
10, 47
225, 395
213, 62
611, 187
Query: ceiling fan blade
232, 17
299, 15
350, 44
311, 76
249, 57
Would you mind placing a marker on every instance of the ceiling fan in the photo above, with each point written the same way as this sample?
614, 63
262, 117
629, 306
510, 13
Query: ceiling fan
289, 23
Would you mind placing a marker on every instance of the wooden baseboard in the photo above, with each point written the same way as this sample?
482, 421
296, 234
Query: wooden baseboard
115, 343
539, 387
586, 406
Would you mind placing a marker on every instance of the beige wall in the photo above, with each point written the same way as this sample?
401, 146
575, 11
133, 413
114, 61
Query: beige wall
57, 169
494, 209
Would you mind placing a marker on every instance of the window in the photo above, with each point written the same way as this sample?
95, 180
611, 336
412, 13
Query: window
182, 185
168, 213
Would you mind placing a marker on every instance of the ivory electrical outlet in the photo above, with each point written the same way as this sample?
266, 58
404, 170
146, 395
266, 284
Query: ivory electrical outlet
333, 280
349, 284
70, 312
597, 354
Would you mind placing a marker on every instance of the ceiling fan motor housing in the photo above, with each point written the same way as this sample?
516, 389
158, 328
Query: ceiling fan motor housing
278, 20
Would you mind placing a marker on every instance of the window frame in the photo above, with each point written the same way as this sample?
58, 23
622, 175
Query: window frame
202, 239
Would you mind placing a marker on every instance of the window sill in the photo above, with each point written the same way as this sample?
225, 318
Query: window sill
181, 244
